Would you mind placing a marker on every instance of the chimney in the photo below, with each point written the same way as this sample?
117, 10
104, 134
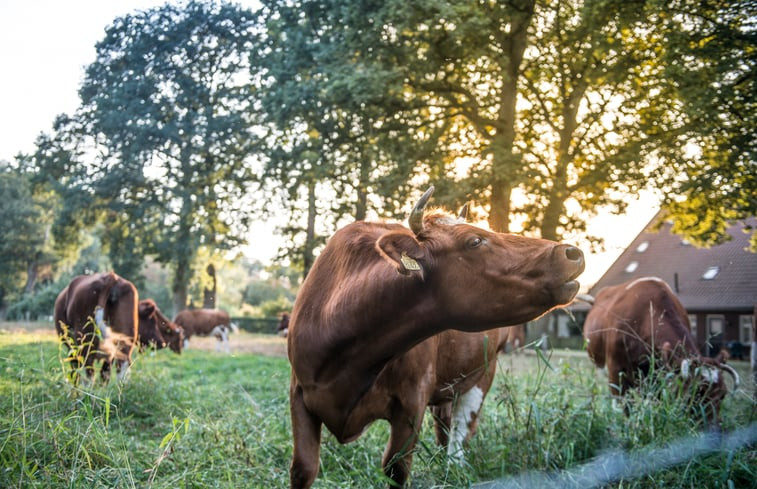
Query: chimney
675, 282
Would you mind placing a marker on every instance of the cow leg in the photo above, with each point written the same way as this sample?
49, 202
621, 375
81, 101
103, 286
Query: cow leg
123, 370
619, 383
306, 436
398, 455
464, 419
442, 421
105, 371
225, 337
89, 353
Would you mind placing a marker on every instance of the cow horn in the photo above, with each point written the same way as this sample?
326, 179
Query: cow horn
585, 298
732, 371
463, 214
416, 216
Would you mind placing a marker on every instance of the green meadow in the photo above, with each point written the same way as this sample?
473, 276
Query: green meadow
205, 419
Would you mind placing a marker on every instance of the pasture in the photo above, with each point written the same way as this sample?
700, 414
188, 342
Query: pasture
210, 420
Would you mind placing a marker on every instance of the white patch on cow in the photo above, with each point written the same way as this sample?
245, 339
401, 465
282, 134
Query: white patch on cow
646, 279
711, 375
186, 343
221, 332
234, 327
466, 407
100, 322
685, 365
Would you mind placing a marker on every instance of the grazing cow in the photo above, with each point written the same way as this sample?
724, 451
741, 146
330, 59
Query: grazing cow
376, 291
634, 323
96, 316
156, 330
206, 322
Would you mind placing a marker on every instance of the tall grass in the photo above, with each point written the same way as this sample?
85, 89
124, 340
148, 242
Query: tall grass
209, 420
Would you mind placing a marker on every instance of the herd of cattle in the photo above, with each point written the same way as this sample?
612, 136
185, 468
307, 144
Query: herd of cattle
391, 321
99, 317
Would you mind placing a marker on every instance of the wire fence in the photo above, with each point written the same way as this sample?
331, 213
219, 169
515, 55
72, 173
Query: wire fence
617, 465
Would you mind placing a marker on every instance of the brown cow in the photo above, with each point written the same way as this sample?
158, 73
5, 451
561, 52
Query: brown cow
642, 320
376, 291
465, 364
96, 316
206, 322
156, 330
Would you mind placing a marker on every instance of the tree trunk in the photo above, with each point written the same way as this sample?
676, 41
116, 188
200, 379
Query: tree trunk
179, 286
505, 164
499, 215
308, 257
560, 192
209, 295
31, 277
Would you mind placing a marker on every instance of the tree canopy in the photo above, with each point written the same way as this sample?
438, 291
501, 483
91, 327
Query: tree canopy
195, 115
169, 102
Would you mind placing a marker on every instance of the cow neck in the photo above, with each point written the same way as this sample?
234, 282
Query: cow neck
348, 369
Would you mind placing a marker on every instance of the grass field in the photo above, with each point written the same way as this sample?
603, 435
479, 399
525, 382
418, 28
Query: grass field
209, 420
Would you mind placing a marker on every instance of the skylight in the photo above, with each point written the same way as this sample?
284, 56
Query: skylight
710, 273
631, 267
642, 247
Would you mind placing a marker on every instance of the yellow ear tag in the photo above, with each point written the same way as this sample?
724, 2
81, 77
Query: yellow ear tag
409, 263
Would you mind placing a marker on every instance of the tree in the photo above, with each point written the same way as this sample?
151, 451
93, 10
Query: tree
332, 129
25, 226
568, 102
709, 54
169, 102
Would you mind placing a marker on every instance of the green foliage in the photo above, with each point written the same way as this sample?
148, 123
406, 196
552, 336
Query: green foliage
168, 98
710, 57
24, 246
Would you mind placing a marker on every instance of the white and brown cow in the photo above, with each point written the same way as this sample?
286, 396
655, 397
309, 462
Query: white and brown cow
206, 322
375, 293
640, 321
96, 317
465, 365
156, 330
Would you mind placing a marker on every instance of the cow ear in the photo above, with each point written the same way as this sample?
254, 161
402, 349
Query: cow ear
146, 308
402, 251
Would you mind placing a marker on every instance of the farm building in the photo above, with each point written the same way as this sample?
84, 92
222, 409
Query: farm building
717, 286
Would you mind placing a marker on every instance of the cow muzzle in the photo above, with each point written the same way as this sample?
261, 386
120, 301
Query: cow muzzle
569, 264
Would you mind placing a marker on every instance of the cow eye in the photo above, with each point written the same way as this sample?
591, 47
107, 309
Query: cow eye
474, 242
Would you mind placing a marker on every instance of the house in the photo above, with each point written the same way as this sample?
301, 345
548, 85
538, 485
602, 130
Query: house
717, 286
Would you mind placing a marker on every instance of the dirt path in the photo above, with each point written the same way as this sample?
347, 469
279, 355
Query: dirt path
243, 342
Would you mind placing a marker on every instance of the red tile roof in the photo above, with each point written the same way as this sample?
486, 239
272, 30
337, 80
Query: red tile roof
669, 257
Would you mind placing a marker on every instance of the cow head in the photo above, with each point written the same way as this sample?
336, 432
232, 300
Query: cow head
157, 329
704, 377
479, 277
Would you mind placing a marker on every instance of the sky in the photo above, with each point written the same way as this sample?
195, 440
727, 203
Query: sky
45, 46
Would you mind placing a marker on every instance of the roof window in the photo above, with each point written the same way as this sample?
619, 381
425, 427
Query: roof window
631, 267
710, 273
642, 247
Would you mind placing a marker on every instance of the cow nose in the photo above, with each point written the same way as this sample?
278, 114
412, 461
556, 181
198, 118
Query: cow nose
574, 254
571, 257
